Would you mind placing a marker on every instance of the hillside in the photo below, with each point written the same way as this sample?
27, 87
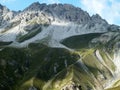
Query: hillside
57, 47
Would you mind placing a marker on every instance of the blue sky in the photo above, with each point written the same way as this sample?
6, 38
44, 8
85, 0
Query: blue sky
22, 4
107, 9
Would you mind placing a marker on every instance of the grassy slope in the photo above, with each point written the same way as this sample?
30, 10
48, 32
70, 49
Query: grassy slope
40, 68
116, 86
5, 43
42, 60
29, 35
73, 74
81, 44
43, 68
12, 67
80, 41
77, 74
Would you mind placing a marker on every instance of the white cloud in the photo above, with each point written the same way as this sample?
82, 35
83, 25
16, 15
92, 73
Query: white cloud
108, 9
4, 1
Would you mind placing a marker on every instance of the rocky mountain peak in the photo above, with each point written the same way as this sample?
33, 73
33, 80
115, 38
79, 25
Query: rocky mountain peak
98, 19
55, 15
5, 15
34, 6
96, 16
66, 12
3, 9
69, 12
1, 6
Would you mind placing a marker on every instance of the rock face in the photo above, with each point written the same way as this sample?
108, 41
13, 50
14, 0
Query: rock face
32, 88
5, 15
72, 87
66, 12
57, 22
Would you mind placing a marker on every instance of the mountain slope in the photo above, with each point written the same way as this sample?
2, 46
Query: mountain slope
57, 47
57, 21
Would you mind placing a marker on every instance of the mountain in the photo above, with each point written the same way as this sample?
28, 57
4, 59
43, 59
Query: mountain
57, 47
45, 19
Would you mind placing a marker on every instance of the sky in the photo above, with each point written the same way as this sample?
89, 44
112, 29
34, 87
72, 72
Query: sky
107, 9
